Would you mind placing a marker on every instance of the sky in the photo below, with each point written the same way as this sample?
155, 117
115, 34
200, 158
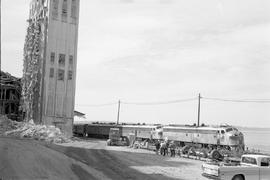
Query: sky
163, 50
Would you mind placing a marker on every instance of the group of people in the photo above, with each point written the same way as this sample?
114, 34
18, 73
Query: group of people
164, 147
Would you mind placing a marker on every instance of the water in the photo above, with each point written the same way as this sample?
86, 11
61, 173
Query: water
257, 138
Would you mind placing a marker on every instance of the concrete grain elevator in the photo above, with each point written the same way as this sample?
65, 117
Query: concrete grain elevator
50, 60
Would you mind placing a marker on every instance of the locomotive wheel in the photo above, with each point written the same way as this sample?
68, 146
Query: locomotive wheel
191, 151
185, 149
238, 177
215, 154
204, 153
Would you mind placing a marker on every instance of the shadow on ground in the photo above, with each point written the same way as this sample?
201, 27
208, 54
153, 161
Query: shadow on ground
115, 164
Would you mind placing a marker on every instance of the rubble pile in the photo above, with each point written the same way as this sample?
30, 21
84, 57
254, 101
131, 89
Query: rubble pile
31, 130
8, 125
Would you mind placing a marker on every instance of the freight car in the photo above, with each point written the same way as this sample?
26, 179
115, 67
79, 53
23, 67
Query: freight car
93, 130
102, 130
224, 136
99, 130
79, 129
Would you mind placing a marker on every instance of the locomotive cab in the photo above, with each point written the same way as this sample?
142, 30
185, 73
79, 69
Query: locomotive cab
231, 137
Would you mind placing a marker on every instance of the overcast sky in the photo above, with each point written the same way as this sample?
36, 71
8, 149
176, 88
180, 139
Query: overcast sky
159, 50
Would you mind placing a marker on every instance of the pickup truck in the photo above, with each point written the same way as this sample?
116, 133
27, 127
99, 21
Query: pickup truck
252, 167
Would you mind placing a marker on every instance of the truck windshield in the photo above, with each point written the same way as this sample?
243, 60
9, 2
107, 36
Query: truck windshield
249, 160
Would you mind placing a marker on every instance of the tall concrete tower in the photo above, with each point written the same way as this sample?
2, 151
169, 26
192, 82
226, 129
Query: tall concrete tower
50, 60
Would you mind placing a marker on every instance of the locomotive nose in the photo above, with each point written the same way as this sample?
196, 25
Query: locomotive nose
235, 134
236, 138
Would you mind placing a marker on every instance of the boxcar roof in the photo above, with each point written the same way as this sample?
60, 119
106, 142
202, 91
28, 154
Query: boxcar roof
89, 124
193, 128
140, 126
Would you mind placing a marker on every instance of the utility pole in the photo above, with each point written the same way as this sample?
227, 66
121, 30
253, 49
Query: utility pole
0, 34
199, 109
1, 106
118, 113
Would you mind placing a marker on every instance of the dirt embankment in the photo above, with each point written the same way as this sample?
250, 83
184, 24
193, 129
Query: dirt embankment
23, 159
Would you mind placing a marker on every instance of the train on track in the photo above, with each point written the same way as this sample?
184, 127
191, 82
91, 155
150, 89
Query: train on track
224, 136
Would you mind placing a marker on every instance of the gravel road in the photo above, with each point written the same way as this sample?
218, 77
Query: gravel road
89, 159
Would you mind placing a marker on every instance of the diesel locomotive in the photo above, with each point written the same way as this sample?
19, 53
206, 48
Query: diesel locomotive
224, 136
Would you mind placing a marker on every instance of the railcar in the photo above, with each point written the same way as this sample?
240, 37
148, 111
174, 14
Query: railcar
92, 130
142, 131
98, 130
79, 129
102, 130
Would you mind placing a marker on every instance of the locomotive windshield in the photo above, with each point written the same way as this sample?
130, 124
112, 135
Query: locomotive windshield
231, 129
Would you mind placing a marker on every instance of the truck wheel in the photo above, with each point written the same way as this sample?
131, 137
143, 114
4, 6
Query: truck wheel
109, 142
238, 177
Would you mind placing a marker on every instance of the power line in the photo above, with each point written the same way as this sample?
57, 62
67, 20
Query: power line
177, 101
97, 105
239, 100
160, 102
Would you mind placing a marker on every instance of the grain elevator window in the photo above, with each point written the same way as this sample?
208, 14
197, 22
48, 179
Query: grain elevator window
51, 72
70, 59
61, 60
73, 9
64, 10
61, 74
52, 57
55, 9
70, 74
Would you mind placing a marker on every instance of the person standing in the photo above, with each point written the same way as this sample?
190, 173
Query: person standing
157, 146
172, 147
163, 148
167, 148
